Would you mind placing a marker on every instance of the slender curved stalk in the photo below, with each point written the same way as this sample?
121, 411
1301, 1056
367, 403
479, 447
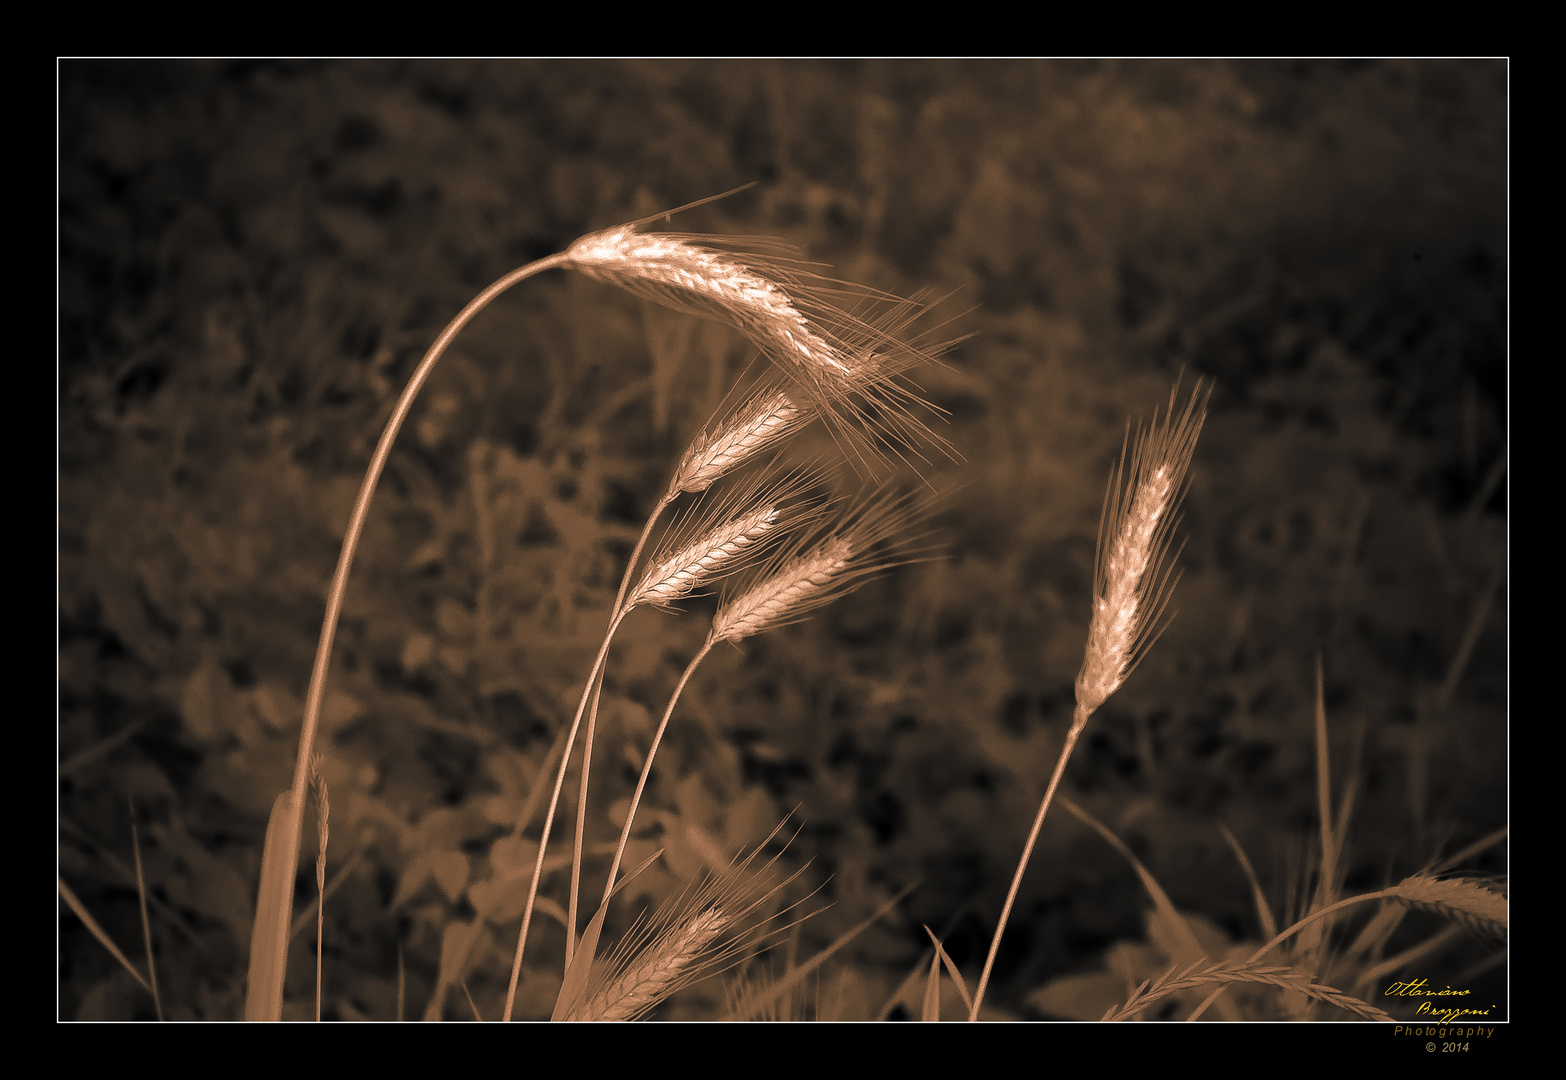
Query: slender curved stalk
1077, 724
595, 688
652, 751
549, 819
356, 520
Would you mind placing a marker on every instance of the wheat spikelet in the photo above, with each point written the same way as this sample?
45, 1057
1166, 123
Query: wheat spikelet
656, 971
719, 535
799, 586
1133, 573
1465, 900
323, 813
819, 568
1196, 976
759, 423
706, 929
704, 558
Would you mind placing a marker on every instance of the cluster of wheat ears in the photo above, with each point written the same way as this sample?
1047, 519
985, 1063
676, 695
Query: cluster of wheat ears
781, 548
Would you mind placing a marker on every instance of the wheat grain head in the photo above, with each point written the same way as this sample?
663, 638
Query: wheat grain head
713, 924
759, 423
1468, 901
1133, 572
820, 566
843, 347
720, 535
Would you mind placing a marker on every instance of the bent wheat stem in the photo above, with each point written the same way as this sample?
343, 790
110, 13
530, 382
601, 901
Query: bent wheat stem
590, 697
652, 751
549, 817
282, 901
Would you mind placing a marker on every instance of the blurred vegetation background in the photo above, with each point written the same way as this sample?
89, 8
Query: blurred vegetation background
255, 255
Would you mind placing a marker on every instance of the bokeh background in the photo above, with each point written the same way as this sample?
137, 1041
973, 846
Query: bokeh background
253, 257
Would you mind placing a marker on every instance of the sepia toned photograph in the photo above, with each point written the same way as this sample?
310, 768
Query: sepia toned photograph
852, 540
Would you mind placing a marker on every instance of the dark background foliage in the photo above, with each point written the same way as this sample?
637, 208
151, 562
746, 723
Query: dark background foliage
254, 256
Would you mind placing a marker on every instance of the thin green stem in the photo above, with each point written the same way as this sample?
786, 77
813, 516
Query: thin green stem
356, 520
1077, 724
636, 799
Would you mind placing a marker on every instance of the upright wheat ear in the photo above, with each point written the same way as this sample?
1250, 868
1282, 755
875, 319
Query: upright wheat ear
1133, 576
1131, 587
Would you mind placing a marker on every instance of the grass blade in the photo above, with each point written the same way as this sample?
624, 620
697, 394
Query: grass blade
146, 924
98, 932
269, 937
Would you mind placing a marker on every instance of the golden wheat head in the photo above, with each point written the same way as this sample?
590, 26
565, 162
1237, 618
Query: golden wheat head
708, 928
841, 346
819, 567
1133, 573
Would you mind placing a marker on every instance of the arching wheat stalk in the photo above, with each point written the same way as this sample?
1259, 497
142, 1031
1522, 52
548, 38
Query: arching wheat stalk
1131, 587
847, 360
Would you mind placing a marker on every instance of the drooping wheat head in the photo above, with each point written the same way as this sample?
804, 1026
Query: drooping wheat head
841, 346
1133, 574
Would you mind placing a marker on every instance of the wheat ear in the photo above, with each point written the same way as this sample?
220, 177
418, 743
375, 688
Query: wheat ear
758, 424
848, 362
819, 568
1131, 587
649, 981
714, 545
1199, 974
798, 578
713, 540
713, 921
1466, 900
323, 810
1133, 575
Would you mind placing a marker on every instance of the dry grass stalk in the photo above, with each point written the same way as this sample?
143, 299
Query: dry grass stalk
1133, 577
100, 933
1196, 976
146, 923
